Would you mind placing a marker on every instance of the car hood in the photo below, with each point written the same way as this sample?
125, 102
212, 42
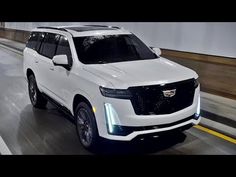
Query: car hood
142, 72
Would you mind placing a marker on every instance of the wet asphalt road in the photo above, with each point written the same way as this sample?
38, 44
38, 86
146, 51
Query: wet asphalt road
26, 130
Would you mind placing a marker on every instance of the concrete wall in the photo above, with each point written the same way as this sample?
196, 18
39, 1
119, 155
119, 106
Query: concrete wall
206, 38
14, 34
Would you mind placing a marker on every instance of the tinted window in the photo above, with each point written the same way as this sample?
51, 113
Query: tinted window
40, 39
63, 48
111, 48
32, 42
49, 44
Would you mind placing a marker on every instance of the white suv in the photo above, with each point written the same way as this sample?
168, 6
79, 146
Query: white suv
110, 82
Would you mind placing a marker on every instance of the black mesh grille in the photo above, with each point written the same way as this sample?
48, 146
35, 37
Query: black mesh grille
149, 100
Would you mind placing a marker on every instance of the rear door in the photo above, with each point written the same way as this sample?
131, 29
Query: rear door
36, 55
30, 52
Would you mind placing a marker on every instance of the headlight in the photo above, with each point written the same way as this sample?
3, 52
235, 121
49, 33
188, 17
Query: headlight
196, 83
115, 93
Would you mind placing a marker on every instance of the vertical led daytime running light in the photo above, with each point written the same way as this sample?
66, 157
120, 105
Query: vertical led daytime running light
109, 117
198, 106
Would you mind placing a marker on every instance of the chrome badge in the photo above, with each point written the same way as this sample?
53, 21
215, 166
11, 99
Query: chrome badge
169, 93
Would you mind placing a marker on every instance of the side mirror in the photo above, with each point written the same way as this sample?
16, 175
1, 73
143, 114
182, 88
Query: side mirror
156, 50
61, 60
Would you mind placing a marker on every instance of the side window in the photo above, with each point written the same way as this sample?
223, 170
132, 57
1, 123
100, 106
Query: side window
63, 48
32, 42
49, 44
39, 42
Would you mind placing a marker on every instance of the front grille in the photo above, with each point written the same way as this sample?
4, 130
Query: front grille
150, 100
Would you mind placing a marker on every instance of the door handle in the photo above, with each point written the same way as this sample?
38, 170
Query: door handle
51, 68
36, 61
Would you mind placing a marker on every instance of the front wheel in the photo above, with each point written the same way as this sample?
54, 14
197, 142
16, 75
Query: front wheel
86, 126
36, 98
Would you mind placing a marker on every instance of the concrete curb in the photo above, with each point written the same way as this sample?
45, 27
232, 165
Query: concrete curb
219, 127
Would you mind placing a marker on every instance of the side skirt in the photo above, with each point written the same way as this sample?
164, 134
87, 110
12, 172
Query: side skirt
60, 107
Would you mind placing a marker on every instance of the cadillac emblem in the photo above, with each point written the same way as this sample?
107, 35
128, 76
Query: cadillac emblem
169, 93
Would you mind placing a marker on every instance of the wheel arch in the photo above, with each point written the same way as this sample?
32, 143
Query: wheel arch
78, 98
29, 72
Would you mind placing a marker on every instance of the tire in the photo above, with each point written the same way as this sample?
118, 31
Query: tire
86, 126
36, 98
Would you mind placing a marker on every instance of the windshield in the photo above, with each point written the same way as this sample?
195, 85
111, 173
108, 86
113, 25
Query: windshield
111, 48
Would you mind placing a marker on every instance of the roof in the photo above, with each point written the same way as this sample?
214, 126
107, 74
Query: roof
88, 30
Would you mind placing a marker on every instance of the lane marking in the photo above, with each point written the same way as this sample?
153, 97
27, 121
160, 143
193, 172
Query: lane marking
212, 132
3, 148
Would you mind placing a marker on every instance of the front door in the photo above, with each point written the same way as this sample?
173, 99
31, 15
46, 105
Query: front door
61, 76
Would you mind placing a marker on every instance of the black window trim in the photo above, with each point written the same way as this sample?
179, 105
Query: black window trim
57, 43
29, 40
70, 65
39, 52
41, 33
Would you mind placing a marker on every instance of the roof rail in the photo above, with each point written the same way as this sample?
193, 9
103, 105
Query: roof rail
104, 26
56, 28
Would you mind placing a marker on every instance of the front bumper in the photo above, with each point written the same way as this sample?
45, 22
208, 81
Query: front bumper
125, 133
126, 130
128, 125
